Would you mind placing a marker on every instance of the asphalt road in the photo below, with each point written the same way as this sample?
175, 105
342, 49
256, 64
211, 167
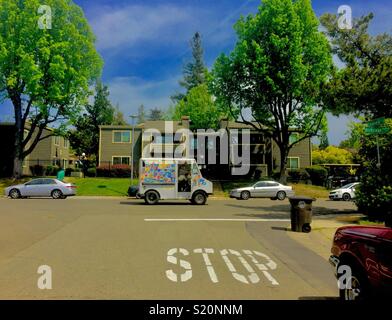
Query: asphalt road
123, 249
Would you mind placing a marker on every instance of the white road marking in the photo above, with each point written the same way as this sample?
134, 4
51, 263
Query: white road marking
205, 219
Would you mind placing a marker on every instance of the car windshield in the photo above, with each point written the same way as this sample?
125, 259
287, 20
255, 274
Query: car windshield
347, 186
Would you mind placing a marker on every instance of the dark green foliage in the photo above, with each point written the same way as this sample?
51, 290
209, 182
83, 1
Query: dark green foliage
91, 172
364, 85
298, 175
195, 71
37, 170
114, 171
374, 196
317, 174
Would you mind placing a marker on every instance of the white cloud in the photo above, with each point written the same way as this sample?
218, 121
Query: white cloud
128, 26
131, 92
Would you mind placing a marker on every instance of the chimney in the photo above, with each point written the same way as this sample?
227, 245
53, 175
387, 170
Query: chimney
224, 123
185, 121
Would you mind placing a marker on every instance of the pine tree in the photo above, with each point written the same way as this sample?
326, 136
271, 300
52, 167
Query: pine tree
194, 71
141, 114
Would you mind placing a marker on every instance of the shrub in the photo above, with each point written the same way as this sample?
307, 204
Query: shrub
51, 170
37, 170
374, 195
91, 172
115, 171
297, 175
317, 174
68, 171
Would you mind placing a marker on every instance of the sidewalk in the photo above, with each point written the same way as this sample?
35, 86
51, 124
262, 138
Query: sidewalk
319, 240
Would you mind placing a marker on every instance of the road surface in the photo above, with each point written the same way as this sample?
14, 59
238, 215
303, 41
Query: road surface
123, 249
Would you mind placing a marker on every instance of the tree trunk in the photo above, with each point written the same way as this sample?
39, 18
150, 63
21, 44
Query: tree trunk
283, 164
19, 133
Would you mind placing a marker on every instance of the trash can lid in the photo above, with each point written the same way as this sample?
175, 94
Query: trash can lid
302, 198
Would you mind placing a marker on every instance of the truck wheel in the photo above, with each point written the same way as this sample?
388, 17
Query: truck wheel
281, 195
346, 197
151, 197
359, 287
14, 194
199, 198
245, 195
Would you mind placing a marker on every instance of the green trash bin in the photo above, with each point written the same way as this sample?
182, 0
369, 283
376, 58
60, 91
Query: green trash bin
301, 213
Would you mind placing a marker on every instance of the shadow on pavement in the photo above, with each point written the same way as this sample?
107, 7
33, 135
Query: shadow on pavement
317, 211
141, 203
318, 298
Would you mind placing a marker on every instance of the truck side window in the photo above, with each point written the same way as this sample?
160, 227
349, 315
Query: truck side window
184, 177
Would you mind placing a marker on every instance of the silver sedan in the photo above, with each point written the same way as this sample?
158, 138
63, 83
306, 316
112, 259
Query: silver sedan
43, 187
263, 189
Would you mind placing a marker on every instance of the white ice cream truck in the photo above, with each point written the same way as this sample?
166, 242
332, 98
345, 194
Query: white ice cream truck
172, 179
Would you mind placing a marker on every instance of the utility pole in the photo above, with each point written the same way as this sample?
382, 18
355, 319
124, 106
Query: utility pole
133, 117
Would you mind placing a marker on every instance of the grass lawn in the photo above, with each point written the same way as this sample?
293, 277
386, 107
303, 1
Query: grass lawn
299, 189
101, 186
310, 190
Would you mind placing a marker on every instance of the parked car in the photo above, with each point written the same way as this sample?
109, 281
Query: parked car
43, 187
345, 193
368, 253
263, 189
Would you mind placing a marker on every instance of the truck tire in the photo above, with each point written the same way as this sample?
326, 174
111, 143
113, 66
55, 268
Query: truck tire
359, 286
199, 198
151, 197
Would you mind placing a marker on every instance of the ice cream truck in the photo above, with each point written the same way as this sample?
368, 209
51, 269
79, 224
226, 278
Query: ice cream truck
172, 179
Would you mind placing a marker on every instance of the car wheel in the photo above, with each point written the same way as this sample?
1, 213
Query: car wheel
151, 197
359, 287
57, 194
346, 197
199, 198
14, 194
245, 195
281, 195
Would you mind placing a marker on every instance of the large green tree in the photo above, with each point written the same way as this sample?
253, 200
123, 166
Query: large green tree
195, 71
200, 106
275, 72
45, 68
364, 84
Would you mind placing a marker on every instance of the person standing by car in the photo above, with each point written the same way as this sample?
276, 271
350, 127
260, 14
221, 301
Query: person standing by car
60, 174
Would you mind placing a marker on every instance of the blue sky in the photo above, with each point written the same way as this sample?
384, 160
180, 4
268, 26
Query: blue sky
144, 44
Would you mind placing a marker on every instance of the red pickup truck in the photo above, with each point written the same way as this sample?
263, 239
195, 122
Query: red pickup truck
363, 255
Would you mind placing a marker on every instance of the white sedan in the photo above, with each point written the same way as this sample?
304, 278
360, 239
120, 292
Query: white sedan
42, 187
263, 189
345, 193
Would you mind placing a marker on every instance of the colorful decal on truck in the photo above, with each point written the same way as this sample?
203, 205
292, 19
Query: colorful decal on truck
198, 181
159, 173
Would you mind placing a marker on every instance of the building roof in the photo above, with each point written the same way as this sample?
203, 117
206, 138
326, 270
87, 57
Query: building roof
118, 127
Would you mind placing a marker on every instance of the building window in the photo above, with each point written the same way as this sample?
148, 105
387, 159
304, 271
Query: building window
57, 140
66, 143
293, 137
121, 136
121, 160
293, 163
